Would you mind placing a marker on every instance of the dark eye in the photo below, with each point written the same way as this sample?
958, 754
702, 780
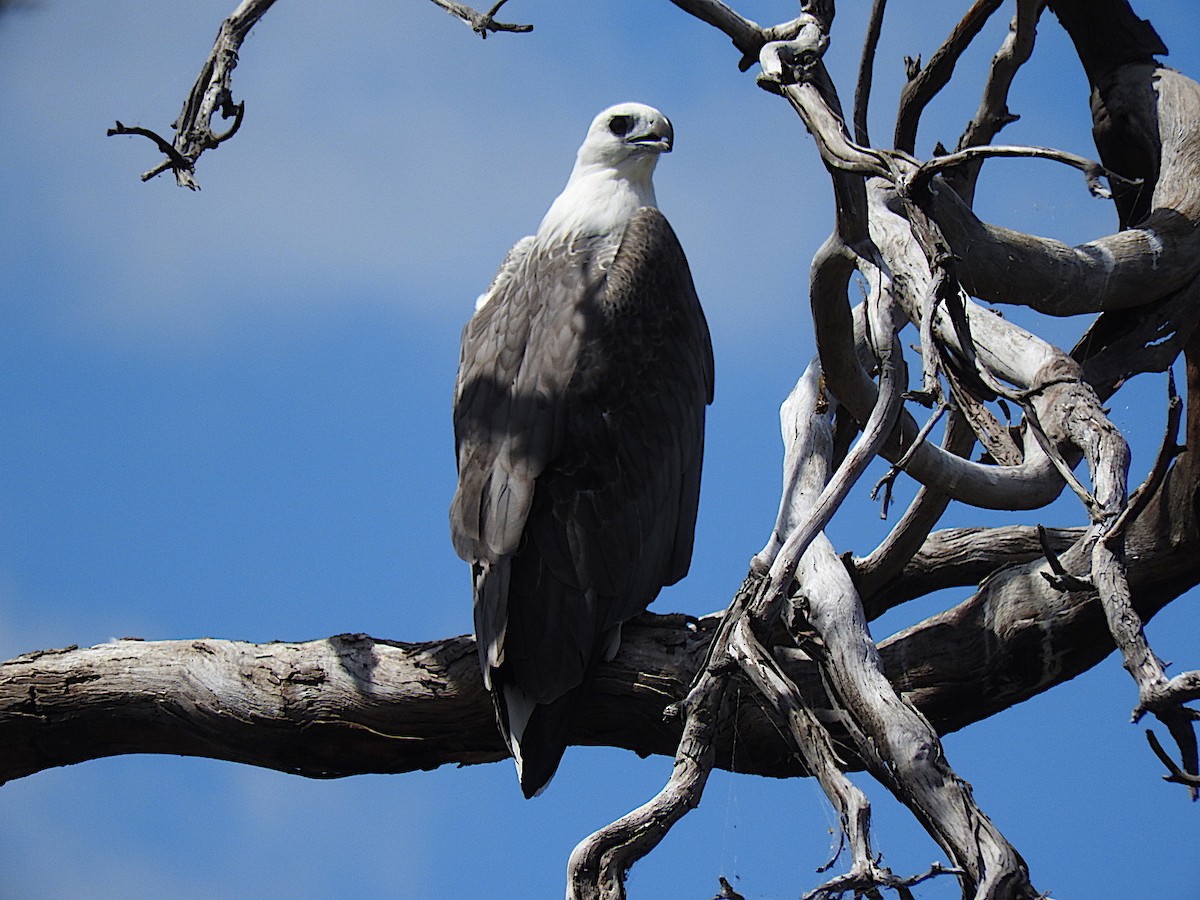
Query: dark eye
620, 125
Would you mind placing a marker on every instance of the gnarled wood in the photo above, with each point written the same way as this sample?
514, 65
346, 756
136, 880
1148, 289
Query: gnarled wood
1044, 608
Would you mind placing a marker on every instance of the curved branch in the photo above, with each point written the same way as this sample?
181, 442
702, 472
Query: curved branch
748, 36
212, 92
1127, 269
599, 863
924, 85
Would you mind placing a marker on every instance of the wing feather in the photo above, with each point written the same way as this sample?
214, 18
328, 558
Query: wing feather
579, 424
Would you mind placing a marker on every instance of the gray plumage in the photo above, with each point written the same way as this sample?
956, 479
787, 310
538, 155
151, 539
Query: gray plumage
579, 425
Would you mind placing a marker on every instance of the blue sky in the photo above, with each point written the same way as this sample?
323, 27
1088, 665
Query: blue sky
226, 414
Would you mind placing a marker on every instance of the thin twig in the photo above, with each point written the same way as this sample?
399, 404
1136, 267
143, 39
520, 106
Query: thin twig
898, 467
866, 72
481, 23
1092, 170
1064, 469
1177, 776
173, 161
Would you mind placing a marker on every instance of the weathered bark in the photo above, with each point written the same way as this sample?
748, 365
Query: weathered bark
1046, 607
353, 704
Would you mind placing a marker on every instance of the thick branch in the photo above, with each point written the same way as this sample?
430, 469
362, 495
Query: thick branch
352, 704
1126, 269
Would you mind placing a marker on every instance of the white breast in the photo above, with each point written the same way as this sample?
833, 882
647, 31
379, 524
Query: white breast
599, 200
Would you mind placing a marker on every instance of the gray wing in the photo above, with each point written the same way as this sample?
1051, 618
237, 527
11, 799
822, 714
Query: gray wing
622, 497
579, 422
518, 354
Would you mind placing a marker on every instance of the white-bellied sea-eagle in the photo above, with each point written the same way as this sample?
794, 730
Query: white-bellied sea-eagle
579, 427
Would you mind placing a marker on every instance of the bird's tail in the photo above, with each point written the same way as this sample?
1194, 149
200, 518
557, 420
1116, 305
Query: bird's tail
536, 732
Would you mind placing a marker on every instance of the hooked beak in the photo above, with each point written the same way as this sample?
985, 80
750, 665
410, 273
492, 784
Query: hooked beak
652, 141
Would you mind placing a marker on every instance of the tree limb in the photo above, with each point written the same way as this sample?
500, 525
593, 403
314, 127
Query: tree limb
212, 92
482, 24
352, 704
923, 84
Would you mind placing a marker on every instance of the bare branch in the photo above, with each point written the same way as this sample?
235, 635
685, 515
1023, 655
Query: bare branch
897, 745
481, 23
886, 561
866, 67
815, 745
212, 92
748, 36
892, 473
173, 161
924, 84
1170, 449
1092, 170
599, 864
1058, 576
1130, 268
352, 704
1177, 775
993, 113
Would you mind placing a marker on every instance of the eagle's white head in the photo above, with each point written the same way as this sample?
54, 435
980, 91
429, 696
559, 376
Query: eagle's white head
627, 137
612, 175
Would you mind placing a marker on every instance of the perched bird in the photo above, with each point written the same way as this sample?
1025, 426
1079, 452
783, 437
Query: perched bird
579, 427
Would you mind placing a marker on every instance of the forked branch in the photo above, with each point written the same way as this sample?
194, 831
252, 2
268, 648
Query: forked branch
924, 84
482, 24
212, 93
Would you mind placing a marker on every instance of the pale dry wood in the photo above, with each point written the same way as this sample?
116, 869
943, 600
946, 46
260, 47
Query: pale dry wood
747, 36
1018, 634
993, 113
898, 746
212, 93
299, 708
1031, 484
895, 742
1126, 269
879, 568
1012, 353
815, 746
924, 84
598, 865
482, 24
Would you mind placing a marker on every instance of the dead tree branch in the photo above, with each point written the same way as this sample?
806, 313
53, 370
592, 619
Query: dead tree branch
924, 84
1045, 605
993, 113
212, 93
482, 24
352, 704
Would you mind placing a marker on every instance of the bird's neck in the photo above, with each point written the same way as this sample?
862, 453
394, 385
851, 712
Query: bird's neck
599, 199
